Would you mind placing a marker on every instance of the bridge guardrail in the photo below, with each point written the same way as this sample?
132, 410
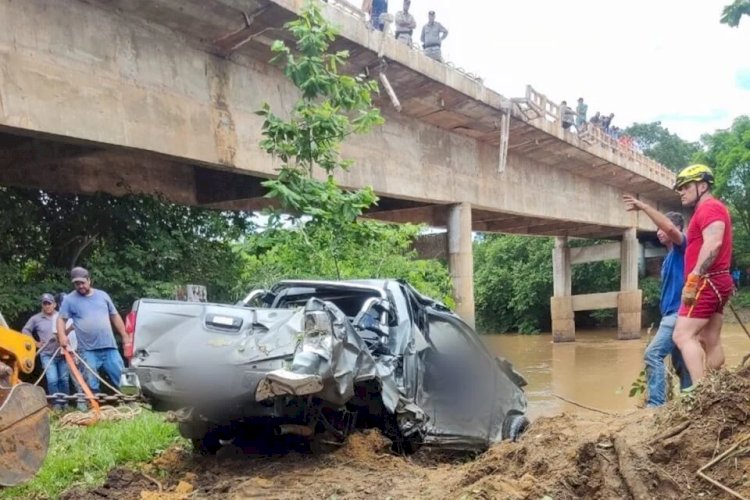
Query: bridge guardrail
542, 107
639, 163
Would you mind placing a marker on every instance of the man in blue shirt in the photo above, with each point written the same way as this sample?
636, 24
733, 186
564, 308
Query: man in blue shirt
669, 233
93, 315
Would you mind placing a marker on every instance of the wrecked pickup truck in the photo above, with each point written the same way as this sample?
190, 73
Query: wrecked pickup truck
319, 359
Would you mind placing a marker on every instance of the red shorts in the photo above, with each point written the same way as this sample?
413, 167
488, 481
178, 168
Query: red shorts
713, 294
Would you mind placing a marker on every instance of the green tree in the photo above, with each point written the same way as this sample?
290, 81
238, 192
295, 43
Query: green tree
304, 253
135, 246
513, 283
732, 13
332, 107
728, 153
663, 146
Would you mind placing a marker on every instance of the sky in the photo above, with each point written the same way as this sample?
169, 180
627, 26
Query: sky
644, 60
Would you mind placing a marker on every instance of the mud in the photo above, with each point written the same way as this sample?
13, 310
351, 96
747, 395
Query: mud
639, 454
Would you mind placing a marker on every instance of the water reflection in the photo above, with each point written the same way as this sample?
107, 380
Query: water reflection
596, 370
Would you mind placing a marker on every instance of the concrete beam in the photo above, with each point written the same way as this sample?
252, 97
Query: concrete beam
432, 215
595, 301
594, 253
128, 173
214, 187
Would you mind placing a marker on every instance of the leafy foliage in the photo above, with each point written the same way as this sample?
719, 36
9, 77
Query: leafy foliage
134, 246
639, 385
83, 456
732, 14
663, 146
386, 252
332, 106
513, 283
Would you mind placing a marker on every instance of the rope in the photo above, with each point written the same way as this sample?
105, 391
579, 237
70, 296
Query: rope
115, 390
97, 413
590, 408
106, 413
52, 360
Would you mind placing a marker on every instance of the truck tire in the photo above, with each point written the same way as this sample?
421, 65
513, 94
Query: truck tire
514, 426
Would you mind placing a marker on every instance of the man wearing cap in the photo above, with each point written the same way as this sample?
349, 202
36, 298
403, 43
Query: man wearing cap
93, 315
433, 34
669, 232
42, 326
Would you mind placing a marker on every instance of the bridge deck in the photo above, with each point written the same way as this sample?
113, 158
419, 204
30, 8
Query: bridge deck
432, 93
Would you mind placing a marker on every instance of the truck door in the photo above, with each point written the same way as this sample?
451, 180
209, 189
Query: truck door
458, 385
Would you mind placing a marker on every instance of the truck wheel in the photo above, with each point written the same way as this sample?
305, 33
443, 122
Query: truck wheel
515, 424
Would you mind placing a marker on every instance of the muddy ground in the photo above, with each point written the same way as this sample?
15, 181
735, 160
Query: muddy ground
641, 454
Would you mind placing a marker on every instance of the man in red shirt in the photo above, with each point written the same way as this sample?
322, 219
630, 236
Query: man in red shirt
708, 283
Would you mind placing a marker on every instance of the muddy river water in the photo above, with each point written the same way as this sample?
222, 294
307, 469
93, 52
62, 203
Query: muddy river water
596, 370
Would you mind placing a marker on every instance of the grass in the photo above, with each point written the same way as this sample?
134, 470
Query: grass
84, 455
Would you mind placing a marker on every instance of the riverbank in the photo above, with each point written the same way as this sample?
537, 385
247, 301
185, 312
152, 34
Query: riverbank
635, 454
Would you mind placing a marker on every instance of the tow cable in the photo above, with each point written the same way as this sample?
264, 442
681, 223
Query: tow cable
96, 413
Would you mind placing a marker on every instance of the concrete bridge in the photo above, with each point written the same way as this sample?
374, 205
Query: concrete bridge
158, 96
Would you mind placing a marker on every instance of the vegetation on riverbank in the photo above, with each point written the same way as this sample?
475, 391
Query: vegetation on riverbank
82, 456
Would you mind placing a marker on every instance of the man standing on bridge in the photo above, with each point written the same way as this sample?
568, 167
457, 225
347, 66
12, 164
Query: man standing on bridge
669, 233
433, 34
405, 24
708, 285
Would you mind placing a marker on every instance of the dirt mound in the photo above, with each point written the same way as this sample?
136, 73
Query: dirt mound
640, 454
120, 483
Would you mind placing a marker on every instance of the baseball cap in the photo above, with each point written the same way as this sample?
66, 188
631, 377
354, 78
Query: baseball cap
47, 297
78, 274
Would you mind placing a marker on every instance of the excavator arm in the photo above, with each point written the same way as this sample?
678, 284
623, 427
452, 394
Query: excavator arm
24, 420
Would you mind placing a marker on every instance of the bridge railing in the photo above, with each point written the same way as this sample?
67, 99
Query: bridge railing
639, 163
539, 106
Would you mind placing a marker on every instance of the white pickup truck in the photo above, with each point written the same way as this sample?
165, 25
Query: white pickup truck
318, 359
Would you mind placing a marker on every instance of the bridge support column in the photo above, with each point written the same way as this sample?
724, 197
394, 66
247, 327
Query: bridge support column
629, 300
561, 304
461, 260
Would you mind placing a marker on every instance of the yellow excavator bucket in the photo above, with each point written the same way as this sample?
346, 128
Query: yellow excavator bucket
24, 420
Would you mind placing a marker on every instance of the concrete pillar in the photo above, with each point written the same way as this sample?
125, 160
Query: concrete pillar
561, 304
629, 300
461, 260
